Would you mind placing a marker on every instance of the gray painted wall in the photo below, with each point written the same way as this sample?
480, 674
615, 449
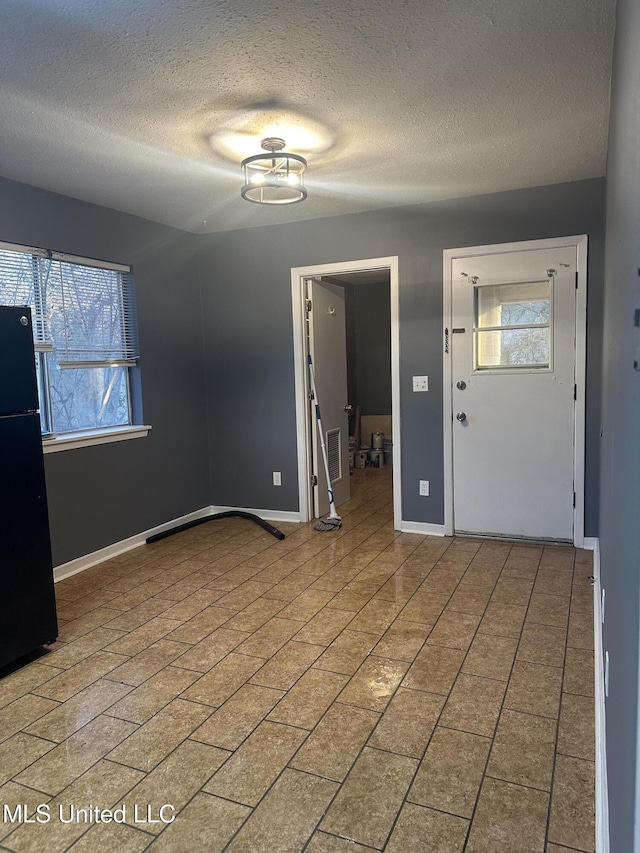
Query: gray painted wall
620, 493
246, 280
373, 347
100, 495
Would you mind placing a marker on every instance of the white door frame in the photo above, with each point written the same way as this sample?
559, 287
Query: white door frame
298, 276
578, 242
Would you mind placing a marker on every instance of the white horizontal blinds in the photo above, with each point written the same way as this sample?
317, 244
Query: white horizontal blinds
92, 314
20, 284
84, 309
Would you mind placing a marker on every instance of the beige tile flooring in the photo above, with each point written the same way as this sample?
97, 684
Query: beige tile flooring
342, 691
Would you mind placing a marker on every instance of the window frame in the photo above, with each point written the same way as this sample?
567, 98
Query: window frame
514, 368
71, 439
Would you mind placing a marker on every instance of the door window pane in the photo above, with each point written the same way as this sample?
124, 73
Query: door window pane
512, 326
524, 304
513, 348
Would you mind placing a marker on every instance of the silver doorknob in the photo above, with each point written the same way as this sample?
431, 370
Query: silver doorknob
348, 408
461, 416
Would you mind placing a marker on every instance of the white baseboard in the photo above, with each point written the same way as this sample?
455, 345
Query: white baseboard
266, 514
602, 793
422, 527
73, 567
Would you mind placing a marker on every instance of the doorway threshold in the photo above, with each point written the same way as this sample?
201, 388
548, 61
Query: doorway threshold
524, 540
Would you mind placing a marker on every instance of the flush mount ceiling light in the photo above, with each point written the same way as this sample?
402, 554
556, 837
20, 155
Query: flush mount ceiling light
276, 177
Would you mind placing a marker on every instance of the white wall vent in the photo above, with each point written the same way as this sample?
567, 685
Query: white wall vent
334, 454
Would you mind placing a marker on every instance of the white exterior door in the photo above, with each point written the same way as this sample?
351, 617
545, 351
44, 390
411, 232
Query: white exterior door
512, 341
328, 348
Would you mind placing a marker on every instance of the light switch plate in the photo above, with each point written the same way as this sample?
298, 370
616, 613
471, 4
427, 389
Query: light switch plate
420, 383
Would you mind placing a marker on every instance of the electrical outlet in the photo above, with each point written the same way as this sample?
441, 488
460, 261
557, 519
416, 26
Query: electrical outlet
420, 383
424, 488
277, 478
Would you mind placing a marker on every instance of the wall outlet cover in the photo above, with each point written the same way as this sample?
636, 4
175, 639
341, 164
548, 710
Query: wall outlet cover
277, 478
420, 383
424, 488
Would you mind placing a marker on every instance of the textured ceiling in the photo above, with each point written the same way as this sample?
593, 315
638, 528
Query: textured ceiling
148, 106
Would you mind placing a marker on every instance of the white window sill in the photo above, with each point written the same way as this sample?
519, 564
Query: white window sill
70, 441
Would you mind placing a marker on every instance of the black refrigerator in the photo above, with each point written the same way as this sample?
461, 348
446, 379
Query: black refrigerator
27, 600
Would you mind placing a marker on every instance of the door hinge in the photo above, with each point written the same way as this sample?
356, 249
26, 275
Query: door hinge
574, 500
314, 480
575, 392
576, 279
310, 394
307, 305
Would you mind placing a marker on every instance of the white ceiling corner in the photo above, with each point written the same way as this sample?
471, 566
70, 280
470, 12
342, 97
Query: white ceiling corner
147, 106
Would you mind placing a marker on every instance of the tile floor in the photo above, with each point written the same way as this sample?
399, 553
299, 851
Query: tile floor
343, 691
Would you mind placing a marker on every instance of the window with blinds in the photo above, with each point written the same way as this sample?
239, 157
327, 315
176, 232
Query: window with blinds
85, 334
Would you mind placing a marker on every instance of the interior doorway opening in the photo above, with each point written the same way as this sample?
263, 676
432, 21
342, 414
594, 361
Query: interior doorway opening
368, 363
369, 289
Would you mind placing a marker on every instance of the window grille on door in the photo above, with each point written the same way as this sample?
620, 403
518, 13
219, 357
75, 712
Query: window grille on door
334, 455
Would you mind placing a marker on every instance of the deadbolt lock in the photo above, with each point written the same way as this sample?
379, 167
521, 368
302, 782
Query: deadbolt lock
461, 385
